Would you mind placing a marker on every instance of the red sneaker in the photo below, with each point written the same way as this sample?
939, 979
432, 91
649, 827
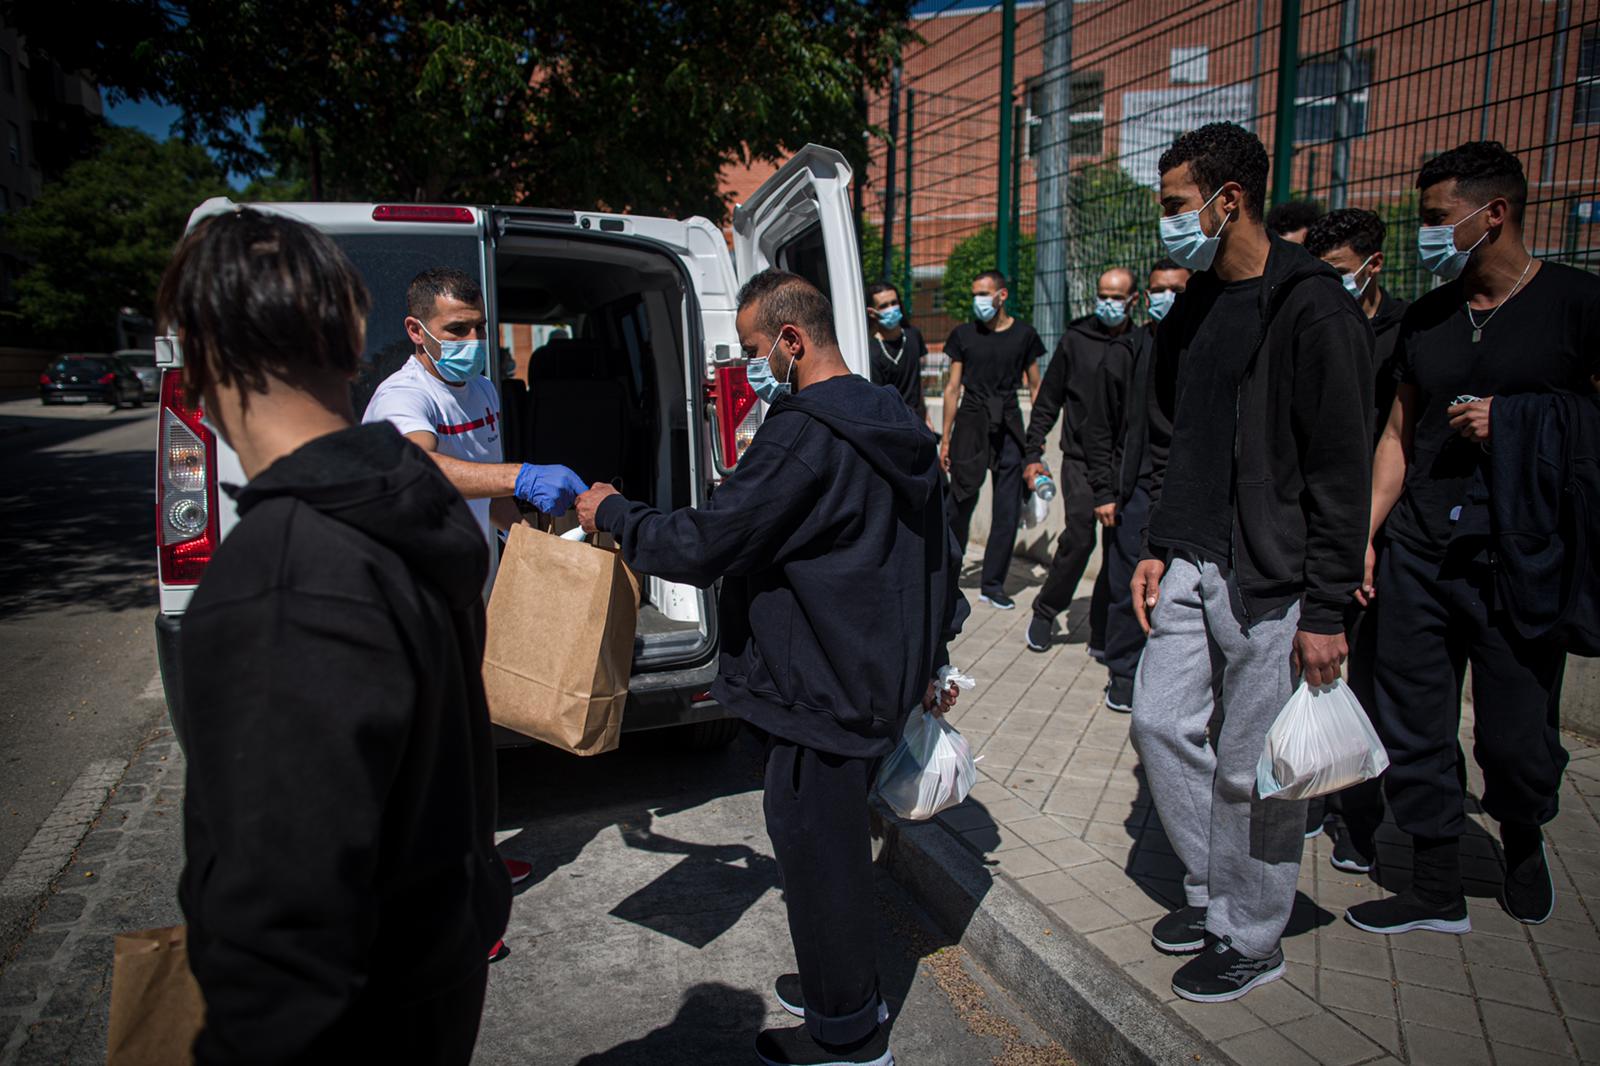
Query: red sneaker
520, 871
499, 951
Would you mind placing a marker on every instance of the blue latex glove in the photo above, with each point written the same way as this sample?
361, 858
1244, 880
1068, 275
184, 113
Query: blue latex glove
549, 488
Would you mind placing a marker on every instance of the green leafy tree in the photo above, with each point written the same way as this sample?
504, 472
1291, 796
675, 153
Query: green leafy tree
979, 253
99, 237
872, 258
625, 107
1112, 221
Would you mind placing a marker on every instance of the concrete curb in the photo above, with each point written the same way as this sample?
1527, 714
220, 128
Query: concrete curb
1076, 994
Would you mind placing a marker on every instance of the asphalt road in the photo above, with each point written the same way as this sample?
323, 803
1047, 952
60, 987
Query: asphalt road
77, 602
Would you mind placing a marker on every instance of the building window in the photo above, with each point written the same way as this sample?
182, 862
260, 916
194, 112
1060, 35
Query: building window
1317, 100
1586, 109
14, 142
1086, 114
1190, 66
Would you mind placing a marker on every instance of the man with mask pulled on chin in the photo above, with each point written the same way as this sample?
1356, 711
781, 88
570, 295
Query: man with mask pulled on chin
838, 599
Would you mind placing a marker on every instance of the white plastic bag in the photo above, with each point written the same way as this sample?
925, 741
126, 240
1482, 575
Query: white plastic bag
1322, 742
932, 768
1034, 510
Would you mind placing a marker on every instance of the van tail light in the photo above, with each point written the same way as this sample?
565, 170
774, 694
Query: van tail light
186, 487
738, 413
107, 379
421, 213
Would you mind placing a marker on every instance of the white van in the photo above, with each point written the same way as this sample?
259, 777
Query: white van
649, 390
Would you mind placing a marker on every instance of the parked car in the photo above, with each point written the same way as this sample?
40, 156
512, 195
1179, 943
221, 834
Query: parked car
82, 378
142, 361
648, 389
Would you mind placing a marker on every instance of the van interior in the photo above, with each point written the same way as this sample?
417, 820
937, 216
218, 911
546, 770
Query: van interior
612, 400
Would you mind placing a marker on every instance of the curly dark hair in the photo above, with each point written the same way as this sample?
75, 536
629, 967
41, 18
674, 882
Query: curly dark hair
1482, 170
1220, 152
782, 298
1361, 230
1292, 215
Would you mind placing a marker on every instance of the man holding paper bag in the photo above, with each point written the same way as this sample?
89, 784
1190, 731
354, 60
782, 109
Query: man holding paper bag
838, 599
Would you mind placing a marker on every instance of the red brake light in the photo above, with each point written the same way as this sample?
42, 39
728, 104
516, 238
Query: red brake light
107, 379
738, 413
186, 497
44, 379
420, 213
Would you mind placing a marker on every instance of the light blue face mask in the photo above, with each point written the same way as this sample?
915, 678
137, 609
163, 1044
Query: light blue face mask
984, 307
1186, 239
1111, 313
458, 361
890, 317
1349, 280
1436, 245
759, 373
1161, 303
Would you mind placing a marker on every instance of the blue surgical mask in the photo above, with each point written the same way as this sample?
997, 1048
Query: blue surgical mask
1186, 239
1349, 280
1111, 313
759, 373
458, 361
984, 307
1436, 245
890, 317
1161, 303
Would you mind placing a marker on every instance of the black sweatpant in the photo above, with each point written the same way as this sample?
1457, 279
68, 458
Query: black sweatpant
1005, 474
1360, 807
1433, 619
1076, 543
1124, 637
816, 807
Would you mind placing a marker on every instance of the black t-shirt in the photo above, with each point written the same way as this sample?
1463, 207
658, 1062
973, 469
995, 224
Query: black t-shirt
993, 362
1196, 509
898, 361
1546, 338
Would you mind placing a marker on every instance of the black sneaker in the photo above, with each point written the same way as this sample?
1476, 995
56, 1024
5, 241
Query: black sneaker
1223, 974
796, 1047
1119, 694
1183, 932
1529, 895
793, 1000
1405, 913
1347, 856
1316, 814
998, 600
1040, 632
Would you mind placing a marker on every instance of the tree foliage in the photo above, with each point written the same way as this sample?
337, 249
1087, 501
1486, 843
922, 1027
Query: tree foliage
99, 237
626, 107
979, 253
872, 259
1112, 222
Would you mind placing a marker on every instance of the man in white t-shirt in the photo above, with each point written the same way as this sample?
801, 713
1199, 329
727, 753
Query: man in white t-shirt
442, 402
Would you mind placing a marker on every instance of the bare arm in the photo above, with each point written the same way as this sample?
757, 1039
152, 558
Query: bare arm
952, 398
1032, 377
1393, 455
475, 481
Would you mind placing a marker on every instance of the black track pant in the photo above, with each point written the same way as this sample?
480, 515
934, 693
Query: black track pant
1433, 620
816, 806
1005, 471
1124, 637
1075, 546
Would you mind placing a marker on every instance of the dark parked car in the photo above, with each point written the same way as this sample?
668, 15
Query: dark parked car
142, 361
82, 378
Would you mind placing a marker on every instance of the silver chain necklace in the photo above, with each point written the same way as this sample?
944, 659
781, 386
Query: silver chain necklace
884, 348
1477, 327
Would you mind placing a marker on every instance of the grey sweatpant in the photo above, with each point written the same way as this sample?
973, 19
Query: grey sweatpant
1203, 661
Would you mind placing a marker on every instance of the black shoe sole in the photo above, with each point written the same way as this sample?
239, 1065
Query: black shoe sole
1233, 994
886, 1059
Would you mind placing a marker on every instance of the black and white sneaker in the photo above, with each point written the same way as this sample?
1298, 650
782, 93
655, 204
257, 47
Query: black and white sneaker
1119, 695
1040, 633
1348, 857
1405, 913
998, 600
797, 1047
791, 999
1529, 893
1223, 974
1183, 932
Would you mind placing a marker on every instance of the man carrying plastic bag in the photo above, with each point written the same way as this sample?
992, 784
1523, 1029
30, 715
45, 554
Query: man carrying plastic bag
932, 769
838, 600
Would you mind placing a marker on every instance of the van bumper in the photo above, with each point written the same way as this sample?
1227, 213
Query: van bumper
167, 626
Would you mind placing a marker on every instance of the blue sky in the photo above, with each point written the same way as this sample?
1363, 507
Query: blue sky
156, 119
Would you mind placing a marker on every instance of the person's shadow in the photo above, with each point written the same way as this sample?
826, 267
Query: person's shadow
715, 1024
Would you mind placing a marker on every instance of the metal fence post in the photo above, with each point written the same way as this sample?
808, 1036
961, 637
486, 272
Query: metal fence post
1051, 160
1016, 193
1005, 244
1288, 89
911, 115
888, 177
1343, 109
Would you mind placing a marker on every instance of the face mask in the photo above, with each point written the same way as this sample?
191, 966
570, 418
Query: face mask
890, 317
759, 374
1186, 239
1436, 245
1350, 285
458, 361
984, 308
1161, 303
1111, 313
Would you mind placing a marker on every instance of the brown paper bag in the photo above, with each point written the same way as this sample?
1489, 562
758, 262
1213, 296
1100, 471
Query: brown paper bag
156, 1008
559, 651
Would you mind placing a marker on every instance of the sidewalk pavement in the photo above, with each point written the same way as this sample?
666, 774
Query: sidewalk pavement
1063, 811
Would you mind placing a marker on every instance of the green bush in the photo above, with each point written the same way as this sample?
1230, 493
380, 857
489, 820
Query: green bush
979, 253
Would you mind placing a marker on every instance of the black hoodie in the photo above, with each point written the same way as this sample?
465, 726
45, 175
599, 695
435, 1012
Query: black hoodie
1302, 462
1086, 384
339, 816
839, 570
1386, 380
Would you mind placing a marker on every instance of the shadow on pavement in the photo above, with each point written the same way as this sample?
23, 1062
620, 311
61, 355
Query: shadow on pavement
715, 1024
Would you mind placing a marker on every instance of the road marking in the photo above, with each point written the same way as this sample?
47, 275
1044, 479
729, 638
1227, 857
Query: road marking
51, 848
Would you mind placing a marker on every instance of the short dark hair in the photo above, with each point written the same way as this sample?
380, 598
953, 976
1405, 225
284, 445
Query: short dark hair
255, 296
995, 276
1481, 169
426, 288
1166, 262
1220, 152
1292, 215
781, 297
884, 286
1362, 230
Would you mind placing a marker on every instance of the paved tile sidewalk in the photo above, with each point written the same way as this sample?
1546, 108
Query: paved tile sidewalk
1062, 808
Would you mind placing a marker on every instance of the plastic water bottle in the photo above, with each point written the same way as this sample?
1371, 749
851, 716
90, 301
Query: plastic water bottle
1045, 488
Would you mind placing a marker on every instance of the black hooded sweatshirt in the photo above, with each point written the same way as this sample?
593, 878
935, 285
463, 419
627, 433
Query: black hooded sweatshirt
1386, 379
1302, 448
839, 571
1087, 384
339, 816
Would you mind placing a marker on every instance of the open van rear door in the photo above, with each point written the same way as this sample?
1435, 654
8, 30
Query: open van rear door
801, 220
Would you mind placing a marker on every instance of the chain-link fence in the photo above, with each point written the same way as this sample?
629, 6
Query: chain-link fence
1051, 174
